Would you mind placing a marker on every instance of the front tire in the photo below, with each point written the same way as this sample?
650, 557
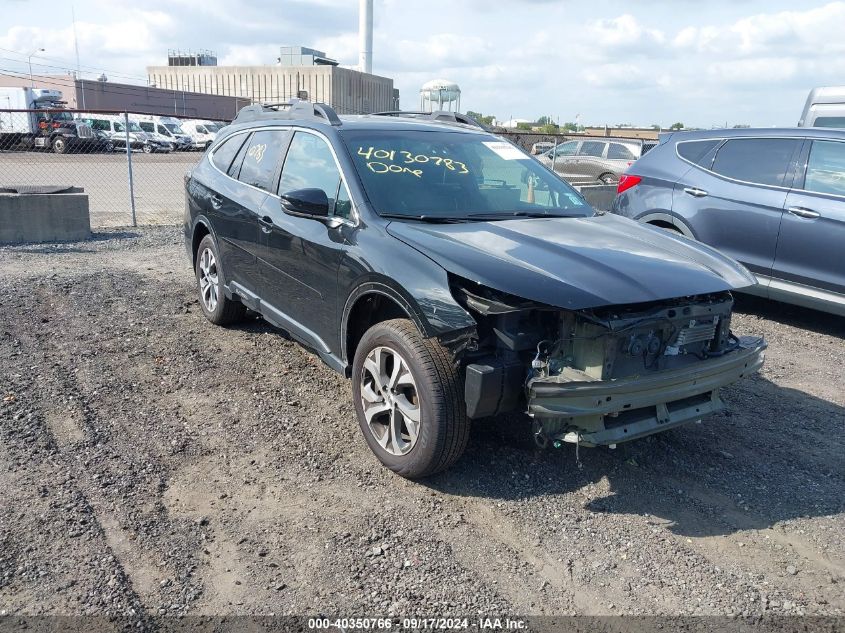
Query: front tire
608, 179
148, 149
216, 307
59, 145
408, 396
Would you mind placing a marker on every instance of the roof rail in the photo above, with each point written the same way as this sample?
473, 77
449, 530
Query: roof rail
441, 115
290, 110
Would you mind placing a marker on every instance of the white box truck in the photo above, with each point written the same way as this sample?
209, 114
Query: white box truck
37, 117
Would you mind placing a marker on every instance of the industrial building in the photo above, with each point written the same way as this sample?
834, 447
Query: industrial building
300, 70
118, 97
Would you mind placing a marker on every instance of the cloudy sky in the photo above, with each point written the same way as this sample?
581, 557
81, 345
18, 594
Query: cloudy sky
611, 61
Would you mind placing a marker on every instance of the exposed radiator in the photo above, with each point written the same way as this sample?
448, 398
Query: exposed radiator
696, 331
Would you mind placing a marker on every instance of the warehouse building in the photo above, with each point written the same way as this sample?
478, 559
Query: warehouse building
118, 97
299, 70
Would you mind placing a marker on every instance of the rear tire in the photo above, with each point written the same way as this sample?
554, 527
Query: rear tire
608, 179
216, 307
148, 149
426, 385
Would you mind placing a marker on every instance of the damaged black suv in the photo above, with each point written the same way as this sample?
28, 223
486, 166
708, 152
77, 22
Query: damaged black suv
453, 277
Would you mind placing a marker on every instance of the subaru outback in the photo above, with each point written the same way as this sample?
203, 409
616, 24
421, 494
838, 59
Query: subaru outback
452, 277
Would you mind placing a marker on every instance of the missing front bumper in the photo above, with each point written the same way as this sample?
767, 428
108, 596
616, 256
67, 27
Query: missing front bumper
607, 412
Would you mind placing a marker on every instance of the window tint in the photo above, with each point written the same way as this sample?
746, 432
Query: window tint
235, 169
759, 160
119, 127
566, 149
225, 152
201, 130
311, 165
617, 151
592, 148
829, 121
146, 126
826, 168
262, 158
696, 151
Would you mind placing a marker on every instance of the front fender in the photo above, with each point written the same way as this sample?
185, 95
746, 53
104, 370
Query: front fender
384, 265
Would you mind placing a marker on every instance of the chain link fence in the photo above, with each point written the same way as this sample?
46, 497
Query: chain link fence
583, 159
130, 165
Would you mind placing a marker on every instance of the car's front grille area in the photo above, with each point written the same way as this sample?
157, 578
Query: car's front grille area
696, 331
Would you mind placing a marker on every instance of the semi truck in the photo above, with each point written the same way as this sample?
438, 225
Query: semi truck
39, 118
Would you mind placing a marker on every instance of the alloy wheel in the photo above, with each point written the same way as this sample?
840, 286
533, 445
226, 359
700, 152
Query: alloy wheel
209, 280
390, 400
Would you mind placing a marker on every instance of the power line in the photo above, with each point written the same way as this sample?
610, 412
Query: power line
90, 69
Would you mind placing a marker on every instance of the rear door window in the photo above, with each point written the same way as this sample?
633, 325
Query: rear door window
261, 159
617, 151
763, 161
592, 148
225, 152
826, 168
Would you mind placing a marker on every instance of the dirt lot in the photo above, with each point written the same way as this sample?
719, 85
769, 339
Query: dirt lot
153, 463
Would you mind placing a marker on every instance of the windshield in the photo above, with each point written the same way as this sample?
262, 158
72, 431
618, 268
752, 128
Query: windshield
173, 128
456, 175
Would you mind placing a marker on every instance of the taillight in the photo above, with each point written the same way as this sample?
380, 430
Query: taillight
626, 181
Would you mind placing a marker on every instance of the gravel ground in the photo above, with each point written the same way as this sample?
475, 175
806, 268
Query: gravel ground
152, 463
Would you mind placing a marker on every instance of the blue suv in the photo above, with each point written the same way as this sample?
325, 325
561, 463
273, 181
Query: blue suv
774, 199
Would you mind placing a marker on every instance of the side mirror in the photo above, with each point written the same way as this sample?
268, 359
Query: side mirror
308, 202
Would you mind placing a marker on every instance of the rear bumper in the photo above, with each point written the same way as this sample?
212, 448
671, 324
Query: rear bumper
614, 411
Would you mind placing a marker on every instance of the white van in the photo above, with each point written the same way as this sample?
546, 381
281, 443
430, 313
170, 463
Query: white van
825, 107
167, 126
111, 129
202, 133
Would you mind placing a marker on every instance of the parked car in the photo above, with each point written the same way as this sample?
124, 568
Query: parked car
202, 133
169, 128
774, 199
592, 159
111, 130
825, 107
453, 277
542, 147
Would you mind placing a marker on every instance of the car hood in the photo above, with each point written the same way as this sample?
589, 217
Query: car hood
575, 263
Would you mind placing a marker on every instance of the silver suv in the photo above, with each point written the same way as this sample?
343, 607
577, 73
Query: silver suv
587, 160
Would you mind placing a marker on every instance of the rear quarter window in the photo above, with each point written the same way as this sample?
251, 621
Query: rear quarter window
226, 151
696, 151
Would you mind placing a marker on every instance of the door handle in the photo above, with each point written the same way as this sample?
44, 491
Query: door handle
216, 201
801, 212
266, 223
695, 192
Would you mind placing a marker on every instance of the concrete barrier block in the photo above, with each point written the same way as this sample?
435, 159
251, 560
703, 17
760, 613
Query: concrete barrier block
60, 217
598, 196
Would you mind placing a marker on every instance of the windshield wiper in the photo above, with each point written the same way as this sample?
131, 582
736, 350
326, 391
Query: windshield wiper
522, 214
432, 219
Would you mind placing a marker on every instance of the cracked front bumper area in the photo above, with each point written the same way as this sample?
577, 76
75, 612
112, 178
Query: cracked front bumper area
606, 412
